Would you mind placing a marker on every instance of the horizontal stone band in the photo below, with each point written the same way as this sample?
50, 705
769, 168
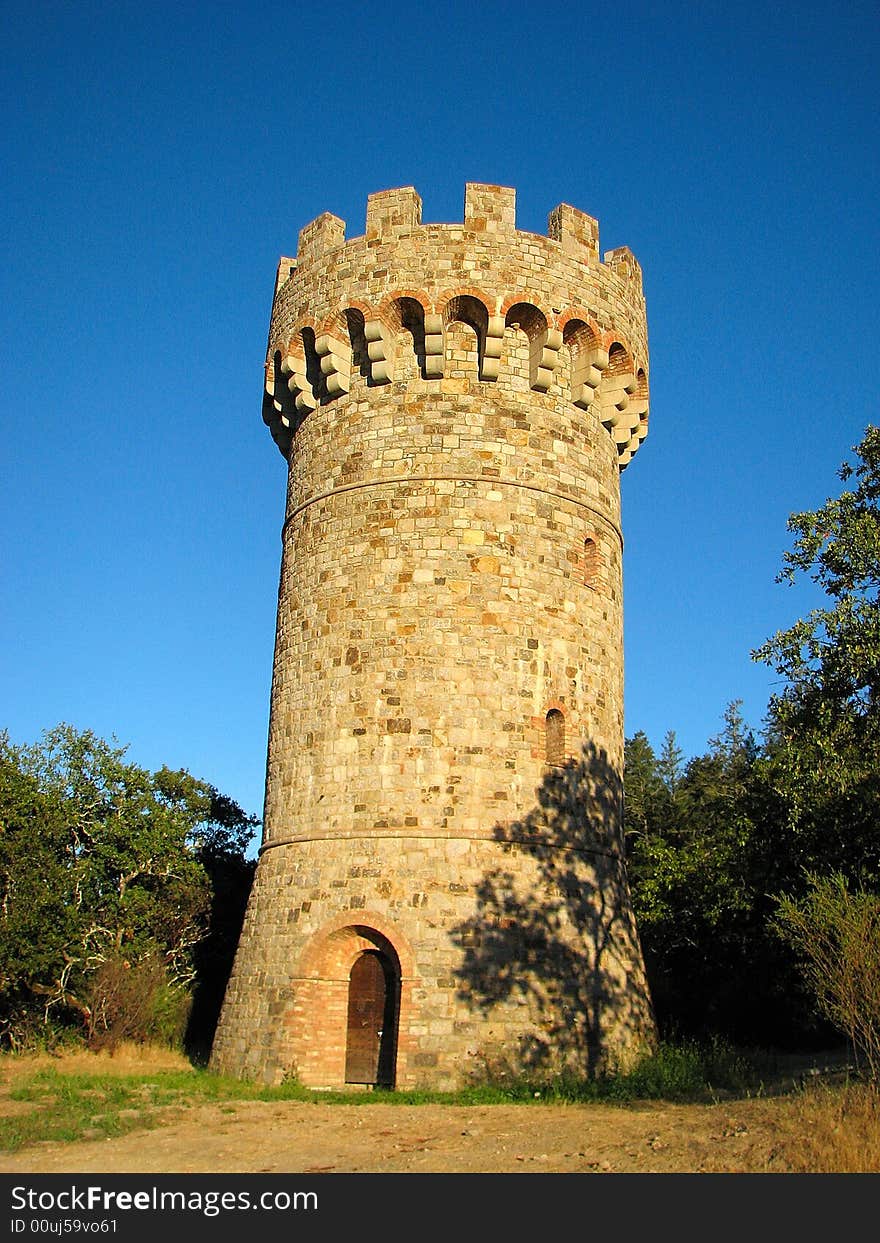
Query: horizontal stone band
396, 480
562, 847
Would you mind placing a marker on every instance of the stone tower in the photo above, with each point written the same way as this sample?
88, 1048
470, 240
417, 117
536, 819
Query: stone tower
440, 894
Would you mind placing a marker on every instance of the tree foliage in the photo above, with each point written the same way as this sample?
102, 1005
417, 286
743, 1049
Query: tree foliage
105, 868
700, 868
713, 846
824, 725
831, 659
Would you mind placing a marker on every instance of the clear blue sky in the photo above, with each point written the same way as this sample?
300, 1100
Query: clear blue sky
158, 158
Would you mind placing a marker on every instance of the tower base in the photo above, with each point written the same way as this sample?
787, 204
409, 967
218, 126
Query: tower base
423, 962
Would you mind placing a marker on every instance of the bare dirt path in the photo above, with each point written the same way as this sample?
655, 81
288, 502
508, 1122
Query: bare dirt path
752, 1135
290, 1137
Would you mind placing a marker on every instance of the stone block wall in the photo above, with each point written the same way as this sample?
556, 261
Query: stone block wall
456, 403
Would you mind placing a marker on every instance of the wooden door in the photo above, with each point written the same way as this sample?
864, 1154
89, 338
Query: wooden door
366, 1012
371, 1019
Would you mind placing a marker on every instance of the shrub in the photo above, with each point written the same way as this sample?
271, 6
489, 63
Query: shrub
134, 1001
835, 932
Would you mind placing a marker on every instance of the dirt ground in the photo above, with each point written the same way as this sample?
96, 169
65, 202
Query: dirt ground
752, 1135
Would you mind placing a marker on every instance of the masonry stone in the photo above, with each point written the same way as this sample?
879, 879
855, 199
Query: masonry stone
441, 893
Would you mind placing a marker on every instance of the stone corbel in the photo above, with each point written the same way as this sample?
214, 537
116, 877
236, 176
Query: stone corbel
380, 351
491, 360
335, 359
637, 411
587, 376
616, 399
543, 360
434, 346
298, 384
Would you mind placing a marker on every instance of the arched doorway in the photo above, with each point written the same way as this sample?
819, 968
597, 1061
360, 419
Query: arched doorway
371, 1036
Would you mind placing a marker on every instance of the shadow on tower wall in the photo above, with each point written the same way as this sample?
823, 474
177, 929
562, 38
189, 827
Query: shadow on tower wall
562, 945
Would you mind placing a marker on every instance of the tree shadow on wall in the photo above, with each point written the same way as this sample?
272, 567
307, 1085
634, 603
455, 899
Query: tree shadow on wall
563, 947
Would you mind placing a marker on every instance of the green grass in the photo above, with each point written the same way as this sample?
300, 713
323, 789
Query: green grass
79, 1106
70, 1107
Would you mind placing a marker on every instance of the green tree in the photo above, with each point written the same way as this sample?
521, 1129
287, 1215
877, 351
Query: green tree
37, 921
105, 869
823, 745
670, 762
744, 822
642, 786
701, 883
824, 725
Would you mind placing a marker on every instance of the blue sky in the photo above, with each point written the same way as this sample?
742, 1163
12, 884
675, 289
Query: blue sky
159, 158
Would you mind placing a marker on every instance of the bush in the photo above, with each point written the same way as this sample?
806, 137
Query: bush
134, 1002
836, 934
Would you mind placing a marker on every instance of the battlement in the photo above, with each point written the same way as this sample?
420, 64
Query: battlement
393, 211
354, 313
487, 209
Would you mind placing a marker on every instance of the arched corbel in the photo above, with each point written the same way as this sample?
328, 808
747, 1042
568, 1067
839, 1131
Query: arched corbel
380, 350
589, 359
544, 358
435, 346
277, 404
470, 307
293, 368
334, 356
490, 361
618, 385
544, 343
638, 412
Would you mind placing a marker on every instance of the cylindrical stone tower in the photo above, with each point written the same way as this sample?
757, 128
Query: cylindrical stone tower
441, 895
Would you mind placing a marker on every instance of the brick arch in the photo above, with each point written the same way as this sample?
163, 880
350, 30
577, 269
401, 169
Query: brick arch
585, 358
369, 927
295, 372
272, 370
580, 333
538, 725
544, 342
335, 323
639, 419
448, 302
278, 408
402, 315
590, 559
294, 339
581, 314
471, 308
618, 377
275, 383
394, 295
354, 317
526, 298
614, 342
309, 353
316, 1018
357, 304
620, 409
528, 317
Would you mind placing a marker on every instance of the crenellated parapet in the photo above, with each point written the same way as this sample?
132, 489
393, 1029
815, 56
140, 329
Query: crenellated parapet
460, 308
